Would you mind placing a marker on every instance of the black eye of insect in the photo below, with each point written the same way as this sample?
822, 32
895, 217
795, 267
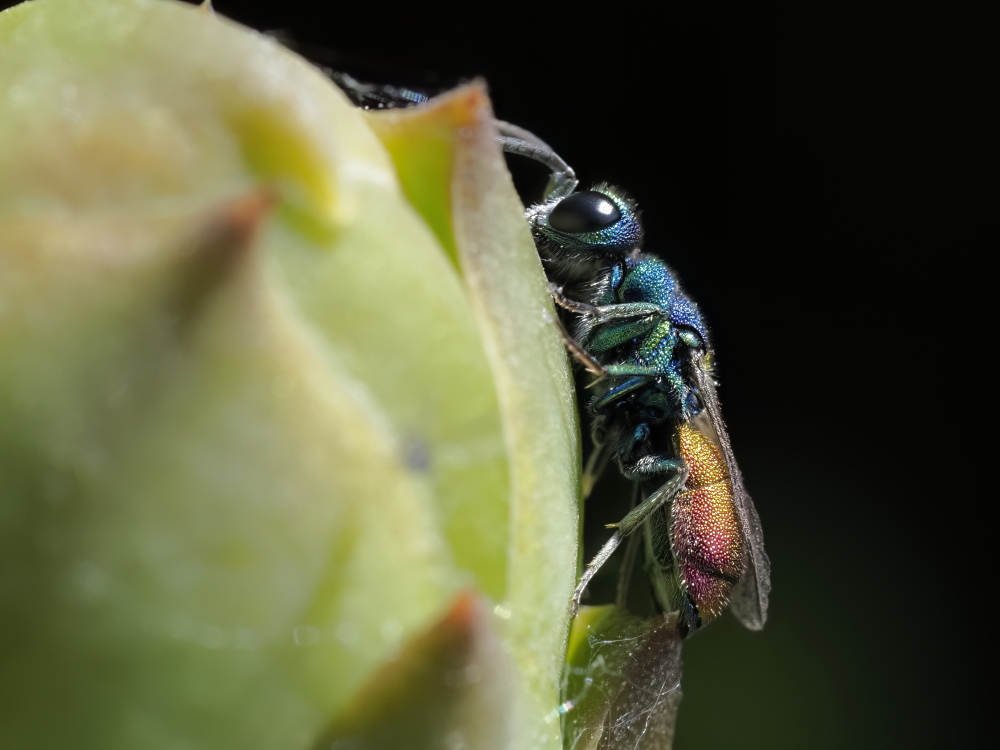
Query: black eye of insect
586, 211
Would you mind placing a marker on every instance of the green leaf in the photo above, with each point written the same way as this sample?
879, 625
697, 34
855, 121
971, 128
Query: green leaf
277, 383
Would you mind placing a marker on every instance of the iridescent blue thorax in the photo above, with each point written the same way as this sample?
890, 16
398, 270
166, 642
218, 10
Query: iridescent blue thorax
648, 279
648, 354
644, 278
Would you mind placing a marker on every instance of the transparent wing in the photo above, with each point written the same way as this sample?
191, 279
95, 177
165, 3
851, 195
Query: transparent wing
749, 597
376, 95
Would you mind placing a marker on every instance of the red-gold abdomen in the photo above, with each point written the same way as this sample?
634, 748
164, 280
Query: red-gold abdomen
706, 541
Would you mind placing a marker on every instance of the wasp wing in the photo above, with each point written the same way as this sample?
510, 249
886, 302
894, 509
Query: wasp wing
376, 96
749, 596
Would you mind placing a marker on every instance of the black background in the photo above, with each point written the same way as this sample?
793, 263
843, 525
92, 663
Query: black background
779, 159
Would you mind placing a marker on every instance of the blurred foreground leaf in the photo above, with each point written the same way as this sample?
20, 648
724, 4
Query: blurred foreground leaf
270, 398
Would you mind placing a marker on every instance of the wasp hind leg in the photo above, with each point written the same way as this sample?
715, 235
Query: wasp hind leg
596, 464
635, 518
628, 563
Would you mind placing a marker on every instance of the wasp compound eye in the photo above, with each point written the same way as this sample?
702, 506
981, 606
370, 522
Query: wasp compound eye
586, 211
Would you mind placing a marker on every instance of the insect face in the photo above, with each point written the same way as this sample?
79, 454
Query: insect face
588, 226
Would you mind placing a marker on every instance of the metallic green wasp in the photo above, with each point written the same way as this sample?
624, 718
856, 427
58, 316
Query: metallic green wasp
655, 411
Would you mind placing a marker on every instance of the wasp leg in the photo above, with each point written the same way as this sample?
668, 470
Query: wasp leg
569, 304
612, 325
580, 354
608, 313
620, 392
608, 336
596, 464
635, 518
637, 375
651, 467
628, 564
592, 567
638, 515
626, 370
628, 311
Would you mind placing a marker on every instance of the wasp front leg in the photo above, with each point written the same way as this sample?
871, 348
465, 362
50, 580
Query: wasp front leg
579, 353
620, 311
